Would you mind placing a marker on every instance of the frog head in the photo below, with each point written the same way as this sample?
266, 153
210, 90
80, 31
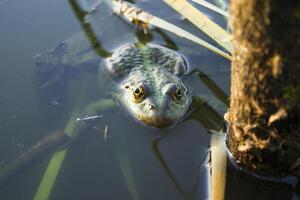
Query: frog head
156, 103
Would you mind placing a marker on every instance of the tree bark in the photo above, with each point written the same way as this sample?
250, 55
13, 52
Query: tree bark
264, 114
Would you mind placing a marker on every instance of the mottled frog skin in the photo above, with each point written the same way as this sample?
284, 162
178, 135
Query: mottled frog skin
150, 85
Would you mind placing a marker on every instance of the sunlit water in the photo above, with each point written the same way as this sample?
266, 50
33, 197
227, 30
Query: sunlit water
165, 164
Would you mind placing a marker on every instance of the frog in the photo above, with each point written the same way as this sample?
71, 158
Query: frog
151, 88
147, 81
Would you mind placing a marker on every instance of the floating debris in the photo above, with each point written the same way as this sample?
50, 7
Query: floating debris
55, 102
102, 132
105, 133
86, 118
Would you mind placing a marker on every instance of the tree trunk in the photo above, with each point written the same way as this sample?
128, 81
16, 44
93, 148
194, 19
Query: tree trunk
264, 114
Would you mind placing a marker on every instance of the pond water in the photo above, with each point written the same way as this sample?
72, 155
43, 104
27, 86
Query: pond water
132, 161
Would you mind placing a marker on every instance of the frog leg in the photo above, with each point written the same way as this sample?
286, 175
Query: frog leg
181, 191
72, 129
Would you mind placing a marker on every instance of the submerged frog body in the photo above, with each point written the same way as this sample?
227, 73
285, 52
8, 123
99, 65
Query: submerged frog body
149, 83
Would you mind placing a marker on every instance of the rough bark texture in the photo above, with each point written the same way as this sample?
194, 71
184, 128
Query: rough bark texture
264, 114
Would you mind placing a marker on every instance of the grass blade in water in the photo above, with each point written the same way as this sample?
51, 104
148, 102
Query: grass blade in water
132, 13
54, 166
218, 165
212, 7
124, 163
201, 21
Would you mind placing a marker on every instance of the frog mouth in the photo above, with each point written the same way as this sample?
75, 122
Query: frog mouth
155, 121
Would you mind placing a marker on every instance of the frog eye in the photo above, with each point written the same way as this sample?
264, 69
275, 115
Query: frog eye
139, 93
177, 95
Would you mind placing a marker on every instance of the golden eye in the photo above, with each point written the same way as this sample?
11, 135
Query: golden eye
139, 93
177, 95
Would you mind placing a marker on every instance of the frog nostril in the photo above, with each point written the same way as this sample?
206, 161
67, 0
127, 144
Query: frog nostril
149, 106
